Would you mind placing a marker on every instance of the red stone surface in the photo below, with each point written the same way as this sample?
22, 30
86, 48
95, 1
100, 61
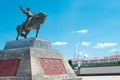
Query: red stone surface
9, 67
52, 66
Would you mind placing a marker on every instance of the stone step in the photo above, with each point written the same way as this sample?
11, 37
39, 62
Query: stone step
74, 79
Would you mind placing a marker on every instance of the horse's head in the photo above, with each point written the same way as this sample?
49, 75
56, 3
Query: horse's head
41, 16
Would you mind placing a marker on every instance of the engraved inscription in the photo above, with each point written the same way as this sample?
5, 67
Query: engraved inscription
9, 67
52, 66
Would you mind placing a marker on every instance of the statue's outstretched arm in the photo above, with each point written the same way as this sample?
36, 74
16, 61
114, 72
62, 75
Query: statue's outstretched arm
21, 8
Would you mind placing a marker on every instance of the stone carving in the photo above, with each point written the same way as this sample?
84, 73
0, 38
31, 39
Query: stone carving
33, 21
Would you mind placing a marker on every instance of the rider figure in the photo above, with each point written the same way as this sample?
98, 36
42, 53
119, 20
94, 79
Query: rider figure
29, 15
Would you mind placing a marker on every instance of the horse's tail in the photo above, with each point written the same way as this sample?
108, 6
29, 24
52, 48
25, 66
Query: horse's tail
17, 29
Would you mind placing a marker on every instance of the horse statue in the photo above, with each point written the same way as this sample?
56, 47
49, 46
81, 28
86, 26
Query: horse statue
35, 23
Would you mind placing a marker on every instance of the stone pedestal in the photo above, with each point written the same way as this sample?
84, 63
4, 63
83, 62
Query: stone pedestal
33, 59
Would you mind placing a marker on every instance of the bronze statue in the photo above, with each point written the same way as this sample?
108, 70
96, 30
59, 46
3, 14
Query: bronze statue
33, 21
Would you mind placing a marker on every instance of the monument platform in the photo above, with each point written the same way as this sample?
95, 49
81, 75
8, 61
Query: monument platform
33, 59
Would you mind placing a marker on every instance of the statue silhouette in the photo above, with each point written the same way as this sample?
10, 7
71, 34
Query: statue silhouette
32, 22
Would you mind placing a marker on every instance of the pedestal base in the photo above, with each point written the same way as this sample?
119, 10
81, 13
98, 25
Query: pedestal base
33, 63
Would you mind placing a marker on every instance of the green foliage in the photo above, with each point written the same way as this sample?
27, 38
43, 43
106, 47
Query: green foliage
118, 62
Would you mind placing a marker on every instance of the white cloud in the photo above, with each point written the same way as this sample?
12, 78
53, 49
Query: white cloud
84, 31
104, 45
58, 43
85, 43
115, 50
83, 53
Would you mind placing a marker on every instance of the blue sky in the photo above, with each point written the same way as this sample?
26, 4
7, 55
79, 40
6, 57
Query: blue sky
90, 28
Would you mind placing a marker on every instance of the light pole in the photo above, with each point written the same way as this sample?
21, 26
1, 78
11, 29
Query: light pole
76, 49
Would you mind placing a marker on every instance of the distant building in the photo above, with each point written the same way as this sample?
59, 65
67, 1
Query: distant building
76, 63
112, 60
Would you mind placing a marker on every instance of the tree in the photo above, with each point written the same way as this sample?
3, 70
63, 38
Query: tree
70, 62
118, 62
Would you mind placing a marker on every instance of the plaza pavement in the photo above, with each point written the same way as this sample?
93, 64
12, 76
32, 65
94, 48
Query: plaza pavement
100, 77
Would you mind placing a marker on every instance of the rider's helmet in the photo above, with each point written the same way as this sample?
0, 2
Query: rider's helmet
28, 9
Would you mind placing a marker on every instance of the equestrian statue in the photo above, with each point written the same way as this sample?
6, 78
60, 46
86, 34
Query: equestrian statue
33, 21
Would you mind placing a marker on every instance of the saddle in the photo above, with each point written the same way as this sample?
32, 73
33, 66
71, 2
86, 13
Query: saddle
27, 23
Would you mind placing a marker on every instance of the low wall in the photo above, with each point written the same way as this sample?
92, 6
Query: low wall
111, 70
